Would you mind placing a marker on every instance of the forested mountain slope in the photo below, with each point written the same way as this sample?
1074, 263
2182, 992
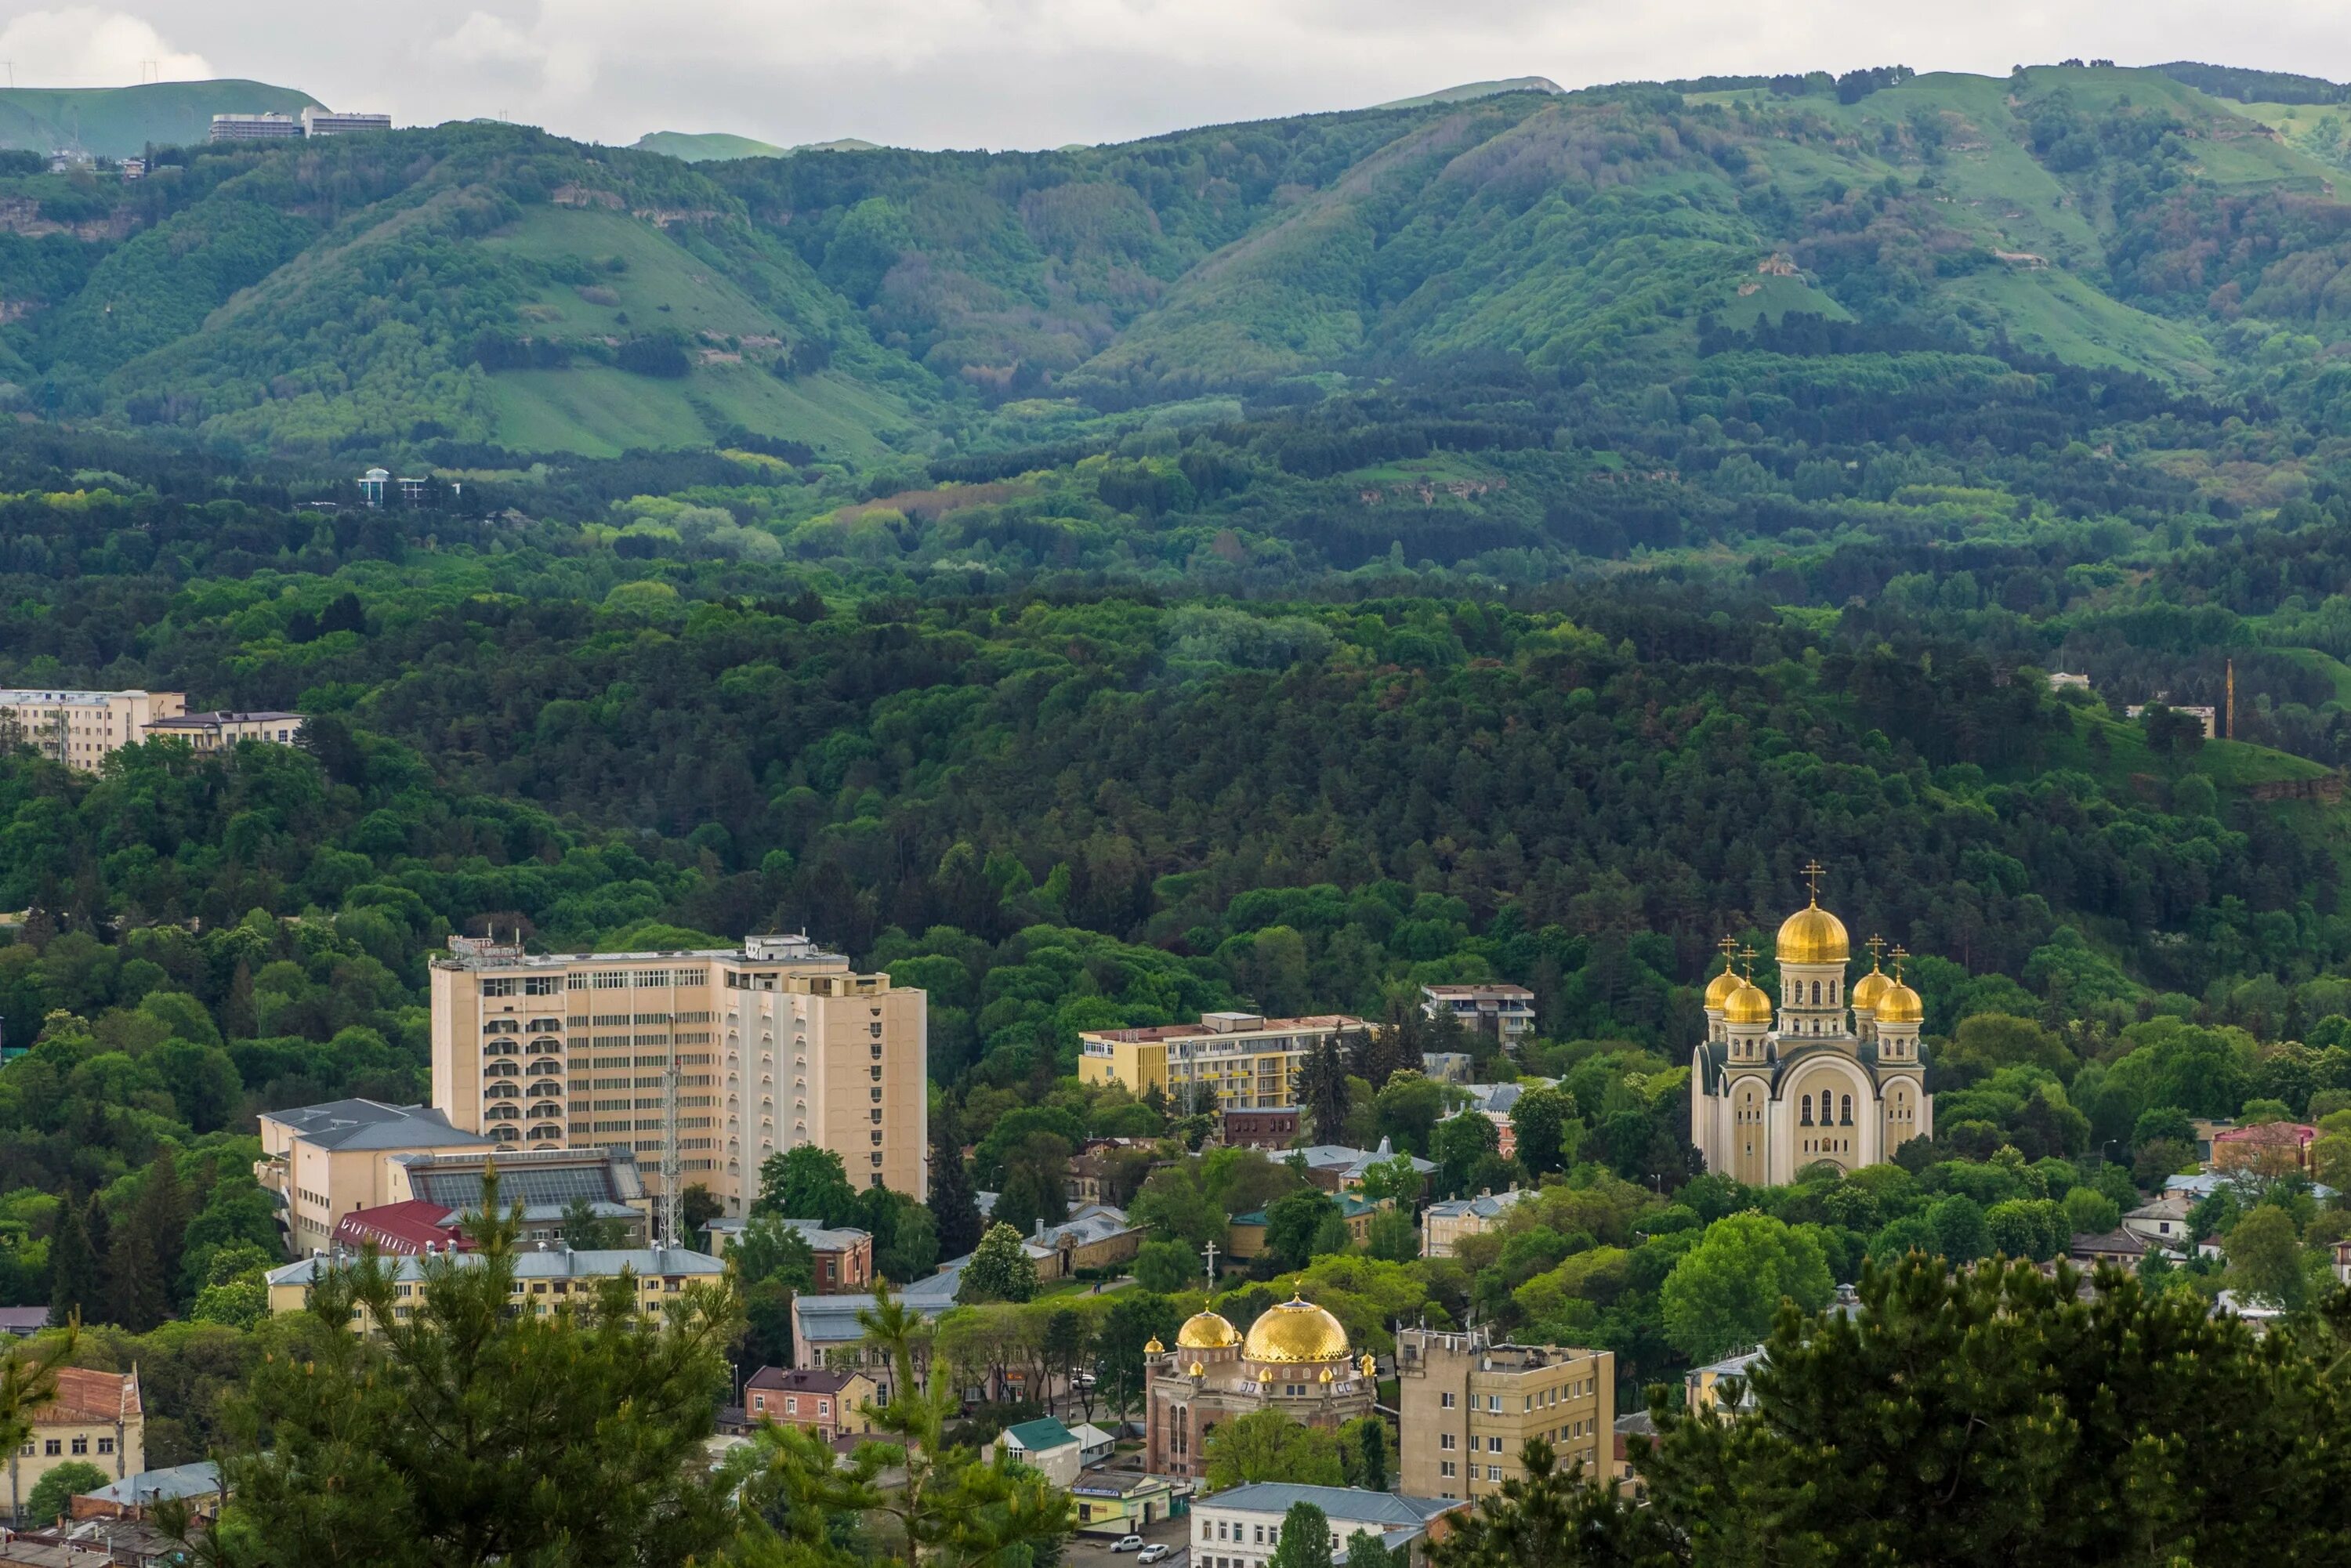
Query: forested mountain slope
495, 287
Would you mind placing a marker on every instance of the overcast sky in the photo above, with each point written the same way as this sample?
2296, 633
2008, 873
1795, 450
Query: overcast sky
1038, 73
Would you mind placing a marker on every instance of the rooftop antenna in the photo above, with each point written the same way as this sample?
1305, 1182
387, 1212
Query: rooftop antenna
672, 1168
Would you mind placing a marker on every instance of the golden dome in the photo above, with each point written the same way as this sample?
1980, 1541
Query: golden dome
1871, 988
1199, 1369
1747, 1004
1899, 1004
1155, 1347
1719, 989
1814, 936
1206, 1331
1296, 1330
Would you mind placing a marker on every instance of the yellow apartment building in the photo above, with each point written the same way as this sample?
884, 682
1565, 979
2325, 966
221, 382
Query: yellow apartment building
94, 1418
79, 729
1467, 1406
1227, 1061
545, 1281
775, 1044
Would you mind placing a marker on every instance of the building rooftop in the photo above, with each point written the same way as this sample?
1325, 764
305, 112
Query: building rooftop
534, 1179
1348, 1208
1351, 1505
221, 715
556, 1262
1040, 1436
798, 1380
820, 1236
1485, 1205
413, 1227
1501, 993
481, 952
147, 1487
88, 1397
1353, 1162
20, 696
1214, 1024
372, 1124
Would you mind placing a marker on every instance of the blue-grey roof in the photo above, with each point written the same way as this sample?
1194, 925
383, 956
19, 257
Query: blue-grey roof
1486, 1206
155, 1486
1341, 1505
372, 1124
555, 1263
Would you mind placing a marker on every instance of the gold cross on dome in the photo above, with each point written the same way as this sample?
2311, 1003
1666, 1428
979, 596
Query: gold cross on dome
1812, 873
1877, 946
1750, 954
1899, 955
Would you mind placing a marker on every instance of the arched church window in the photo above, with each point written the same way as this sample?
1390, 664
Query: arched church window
1808, 1111
1816, 993
1845, 1117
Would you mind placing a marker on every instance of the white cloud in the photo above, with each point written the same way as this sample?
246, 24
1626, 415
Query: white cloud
1035, 73
482, 38
81, 46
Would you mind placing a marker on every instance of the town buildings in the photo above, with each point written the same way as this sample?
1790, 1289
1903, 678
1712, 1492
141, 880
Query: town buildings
324, 1161
843, 1255
830, 1404
1045, 1446
1825, 1076
1506, 1012
79, 729
1113, 1503
754, 1051
220, 729
1270, 1129
255, 128
1443, 1225
316, 121
1245, 1235
1240, 1527
1227, 1061
95, 1418
548, 1278
1466, 1406
313, 121
1295, 1359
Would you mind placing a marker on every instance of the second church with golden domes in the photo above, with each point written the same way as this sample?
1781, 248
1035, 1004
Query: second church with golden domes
1825, 1074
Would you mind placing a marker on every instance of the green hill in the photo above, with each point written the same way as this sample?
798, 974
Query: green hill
1476, 89
704, 147
484, 283
121, 121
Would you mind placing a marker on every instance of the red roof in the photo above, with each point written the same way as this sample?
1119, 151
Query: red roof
798, 1380
402, 1230
2281, 1132
90, 1398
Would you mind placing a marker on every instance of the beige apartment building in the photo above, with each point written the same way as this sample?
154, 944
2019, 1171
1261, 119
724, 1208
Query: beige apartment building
79, 729
1467, 1406
94, 1418
1227, 1061
325, 1161
775, 1045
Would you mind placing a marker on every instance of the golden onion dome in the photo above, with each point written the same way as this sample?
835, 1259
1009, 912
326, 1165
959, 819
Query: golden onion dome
1747, 1004
1719, 989
1206, 1331
1814, 936
1296, 1330
1871, 988
1900, 1004
1155, 1347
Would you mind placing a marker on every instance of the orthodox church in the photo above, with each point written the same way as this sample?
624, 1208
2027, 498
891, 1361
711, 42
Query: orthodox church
1295, 1359
1828, 1074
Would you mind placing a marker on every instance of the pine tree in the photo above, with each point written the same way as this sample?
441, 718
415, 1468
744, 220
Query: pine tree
163, 1212
134, 1277
466, 1432
1322, 1090
953, 1210
74, 1277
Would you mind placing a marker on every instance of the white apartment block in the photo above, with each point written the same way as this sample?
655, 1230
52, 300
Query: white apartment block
79, 729
776, 1044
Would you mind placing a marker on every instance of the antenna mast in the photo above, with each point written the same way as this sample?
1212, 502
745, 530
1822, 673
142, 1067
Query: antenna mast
673, 1167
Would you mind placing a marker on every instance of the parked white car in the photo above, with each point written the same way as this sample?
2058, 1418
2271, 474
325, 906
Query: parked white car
1152, 1552
1127, 1543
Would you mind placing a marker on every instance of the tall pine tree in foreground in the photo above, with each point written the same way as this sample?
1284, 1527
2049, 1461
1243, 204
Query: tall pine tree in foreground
953, 1209
1994, 1417
469, 1432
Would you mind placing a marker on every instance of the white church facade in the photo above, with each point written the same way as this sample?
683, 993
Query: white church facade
1827, 1073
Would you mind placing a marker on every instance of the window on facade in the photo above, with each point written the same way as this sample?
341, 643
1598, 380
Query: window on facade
1844, 1111
498, 985
1445, 1440
53, 1447
1446, 1400
1493, 1472
1808, 1111
1446, 1467
542, 985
